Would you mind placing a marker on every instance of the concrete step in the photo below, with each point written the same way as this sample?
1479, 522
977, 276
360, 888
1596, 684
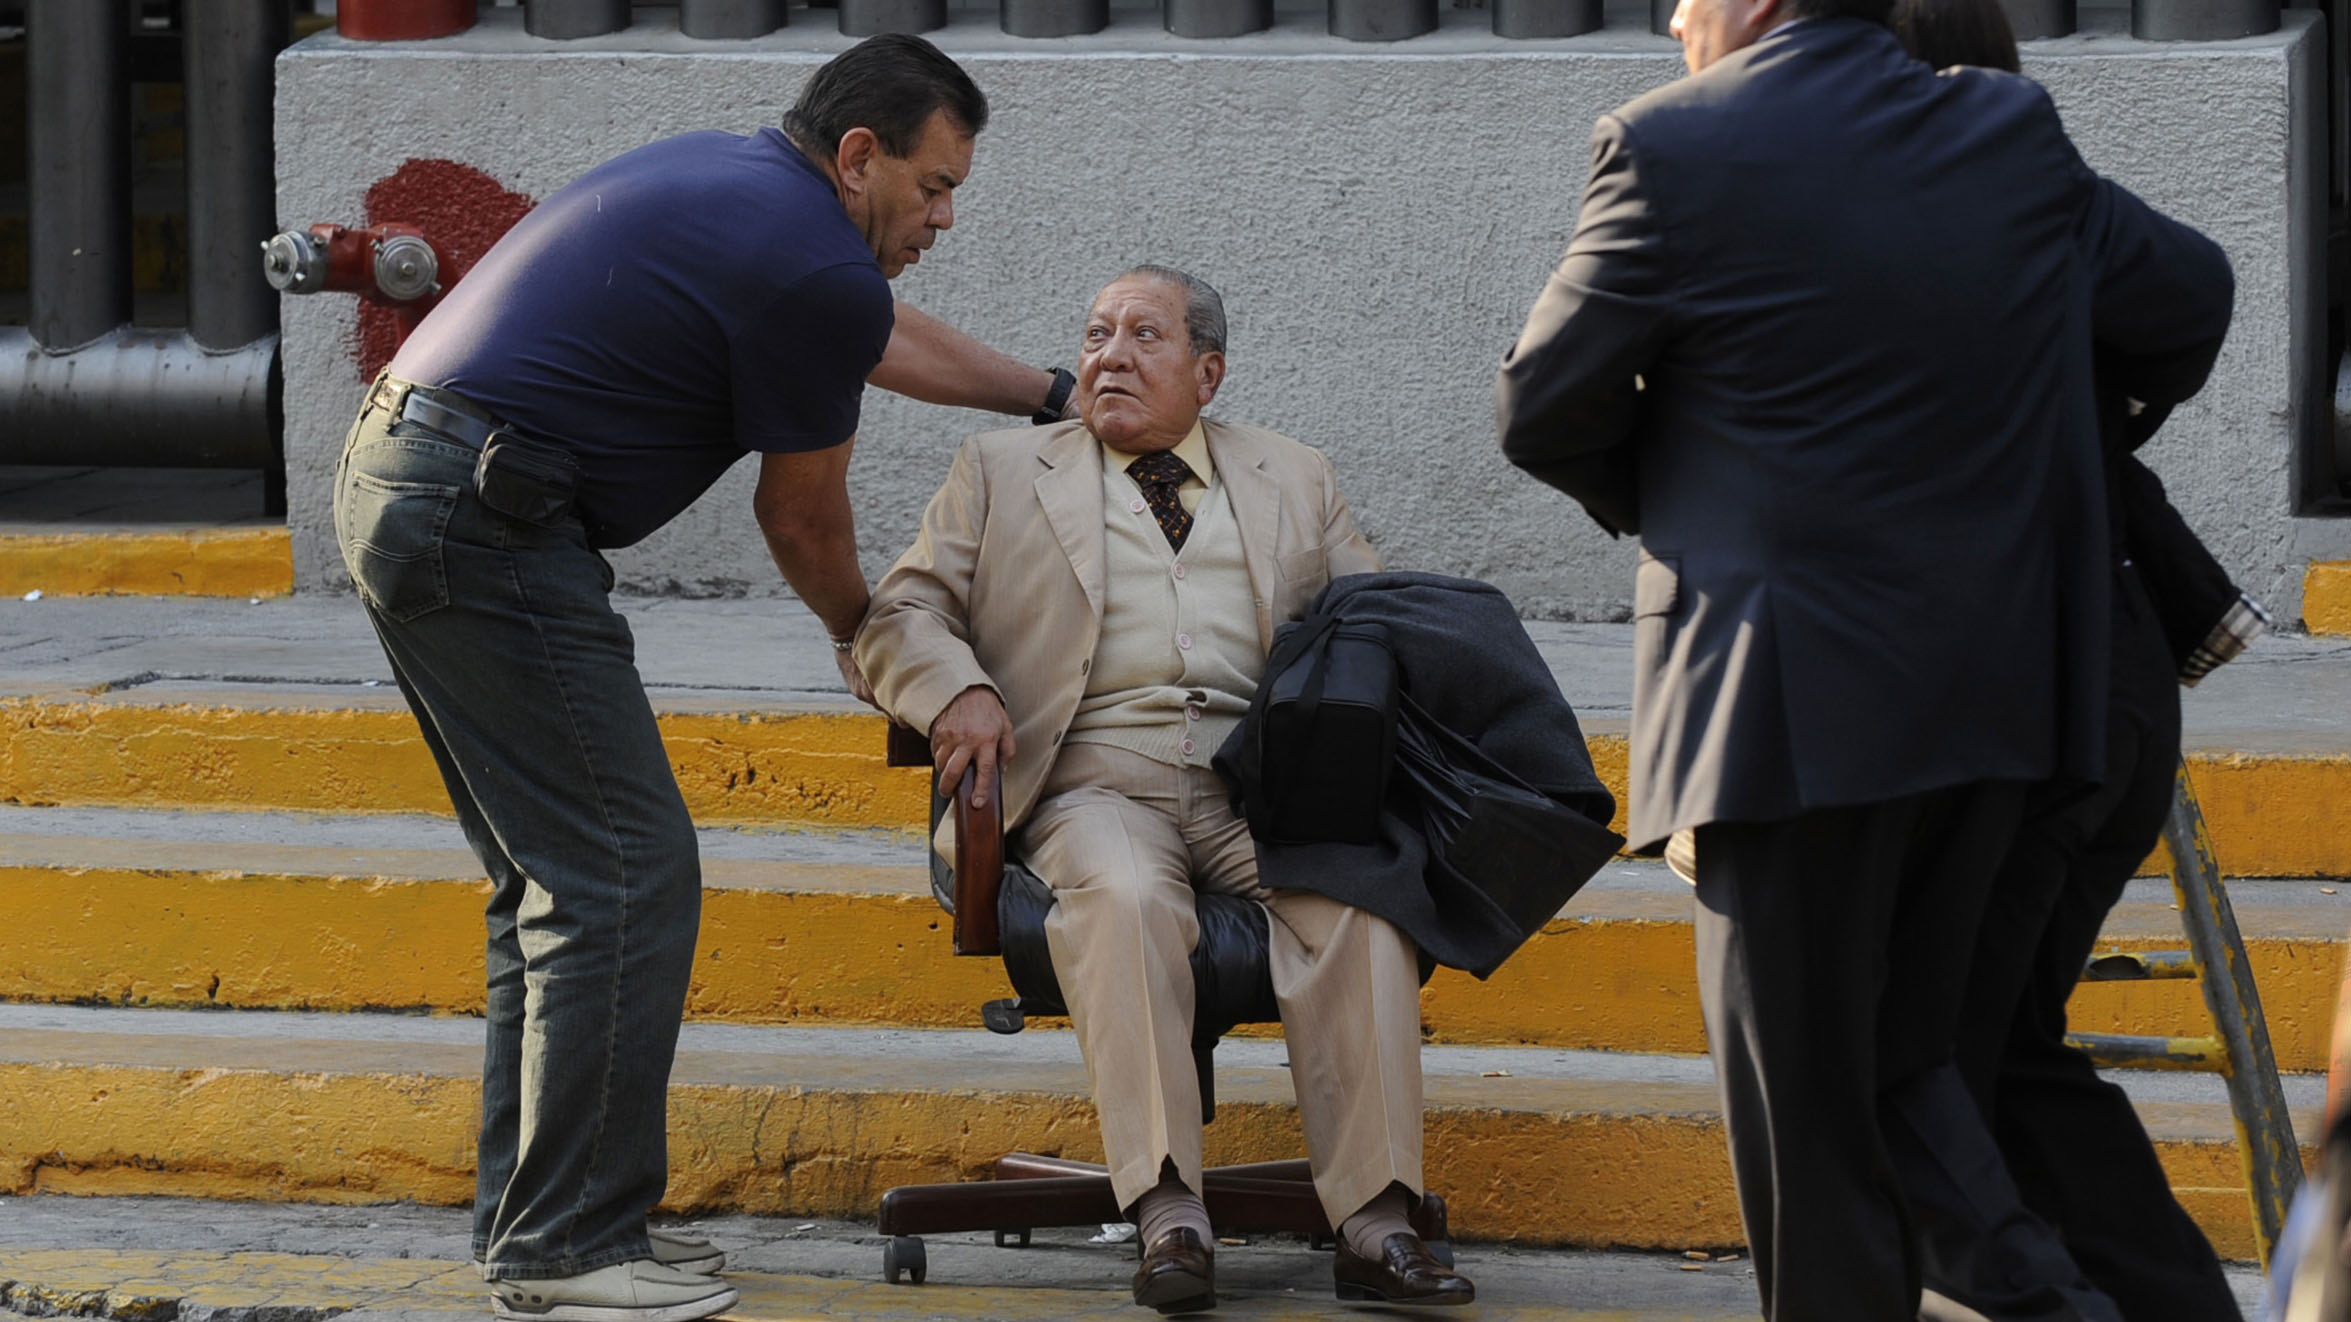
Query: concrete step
2279, 803
1528, 1145
287, 704
383, 912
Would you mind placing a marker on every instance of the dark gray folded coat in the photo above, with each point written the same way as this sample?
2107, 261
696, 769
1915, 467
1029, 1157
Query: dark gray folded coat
1494, 816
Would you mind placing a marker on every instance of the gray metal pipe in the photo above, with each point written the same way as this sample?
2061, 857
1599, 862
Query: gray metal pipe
232, 48
871, 18
138, 398
1054, 18
1382, 20
78, 140
2032, 20
1546, 18
564, 20
729, 19
1218, 18
2202, 20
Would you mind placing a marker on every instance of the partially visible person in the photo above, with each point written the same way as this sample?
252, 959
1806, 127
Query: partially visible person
2073, 1142
2310, 1266
1084, 618
1819, 340
700, 299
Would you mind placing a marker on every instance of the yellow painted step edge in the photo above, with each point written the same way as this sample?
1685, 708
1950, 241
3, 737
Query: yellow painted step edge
821, 769
2271, 815
1651, 1172
224, 562
169, 938
2326, 598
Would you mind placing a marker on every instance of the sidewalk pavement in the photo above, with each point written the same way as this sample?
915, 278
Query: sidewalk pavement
186, 1260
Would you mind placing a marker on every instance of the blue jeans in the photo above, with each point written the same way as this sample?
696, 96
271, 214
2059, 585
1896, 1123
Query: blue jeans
523, 678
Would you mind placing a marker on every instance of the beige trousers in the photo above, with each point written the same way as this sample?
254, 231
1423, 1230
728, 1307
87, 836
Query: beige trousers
1123, 841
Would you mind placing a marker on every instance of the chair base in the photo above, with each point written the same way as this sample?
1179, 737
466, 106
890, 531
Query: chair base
1031, 1191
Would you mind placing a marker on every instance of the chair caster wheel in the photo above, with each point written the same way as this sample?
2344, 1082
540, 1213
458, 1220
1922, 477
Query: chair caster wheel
1442, 1251
904, 1254
1012, 1239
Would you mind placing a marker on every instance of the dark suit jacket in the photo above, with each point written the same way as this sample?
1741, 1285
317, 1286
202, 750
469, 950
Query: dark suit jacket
1823, 339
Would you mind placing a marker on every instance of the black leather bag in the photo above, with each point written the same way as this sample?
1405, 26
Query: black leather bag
1311, 763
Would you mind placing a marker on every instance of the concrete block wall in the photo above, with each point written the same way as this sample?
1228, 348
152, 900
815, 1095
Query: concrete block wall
1379, 218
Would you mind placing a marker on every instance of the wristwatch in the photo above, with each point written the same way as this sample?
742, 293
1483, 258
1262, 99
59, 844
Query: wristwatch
1056, 399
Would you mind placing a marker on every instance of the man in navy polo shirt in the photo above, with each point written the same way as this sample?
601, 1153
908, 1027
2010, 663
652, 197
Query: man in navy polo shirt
687, 303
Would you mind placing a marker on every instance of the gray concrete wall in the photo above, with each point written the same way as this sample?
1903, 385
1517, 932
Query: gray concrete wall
1379, 219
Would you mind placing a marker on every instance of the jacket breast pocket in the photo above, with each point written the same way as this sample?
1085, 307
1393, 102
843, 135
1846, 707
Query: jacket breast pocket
1310, 566
1297, 577
392, 535
1657, 585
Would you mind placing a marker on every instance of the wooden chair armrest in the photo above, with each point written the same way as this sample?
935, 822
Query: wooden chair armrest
979, 848
979, 868
906, 747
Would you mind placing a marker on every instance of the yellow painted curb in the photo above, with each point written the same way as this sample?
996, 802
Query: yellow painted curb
1619, 979
817, 768
1646, 1170
2326, 598
225, 562
245, 941
2272, 815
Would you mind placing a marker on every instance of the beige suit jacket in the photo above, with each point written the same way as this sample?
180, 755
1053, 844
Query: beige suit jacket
1004, 585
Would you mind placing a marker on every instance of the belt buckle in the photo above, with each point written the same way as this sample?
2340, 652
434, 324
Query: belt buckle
390, 395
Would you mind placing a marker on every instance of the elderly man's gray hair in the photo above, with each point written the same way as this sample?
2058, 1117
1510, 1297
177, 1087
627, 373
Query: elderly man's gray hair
1203, 306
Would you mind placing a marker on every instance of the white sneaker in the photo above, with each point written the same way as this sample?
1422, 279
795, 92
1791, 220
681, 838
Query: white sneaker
638, 1291
679, 1251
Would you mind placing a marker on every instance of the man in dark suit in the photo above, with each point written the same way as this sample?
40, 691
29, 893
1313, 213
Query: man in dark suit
1823, 339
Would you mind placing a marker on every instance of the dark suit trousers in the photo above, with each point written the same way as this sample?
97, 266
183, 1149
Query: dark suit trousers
2072, 1141
1832, 957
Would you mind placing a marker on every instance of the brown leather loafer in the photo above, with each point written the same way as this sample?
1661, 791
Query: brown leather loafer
1178, 1274
1405, 1274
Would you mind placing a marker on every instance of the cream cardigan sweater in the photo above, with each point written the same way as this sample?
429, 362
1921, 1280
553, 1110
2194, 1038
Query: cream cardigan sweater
1177, 661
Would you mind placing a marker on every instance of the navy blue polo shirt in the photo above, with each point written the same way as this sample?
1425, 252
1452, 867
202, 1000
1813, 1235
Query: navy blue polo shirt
675, 308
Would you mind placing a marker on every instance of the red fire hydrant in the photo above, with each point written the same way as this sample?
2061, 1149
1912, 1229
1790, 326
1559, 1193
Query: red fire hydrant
402, 20
392, 265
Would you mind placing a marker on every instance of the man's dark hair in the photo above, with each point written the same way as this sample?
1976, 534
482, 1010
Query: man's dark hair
1869, 11
1203, 306
1949, 32
890, 84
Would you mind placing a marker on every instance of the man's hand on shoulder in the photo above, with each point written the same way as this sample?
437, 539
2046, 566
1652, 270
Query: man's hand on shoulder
973, 731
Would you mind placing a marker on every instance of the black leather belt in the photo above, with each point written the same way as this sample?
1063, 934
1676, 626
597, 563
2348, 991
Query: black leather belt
442, 411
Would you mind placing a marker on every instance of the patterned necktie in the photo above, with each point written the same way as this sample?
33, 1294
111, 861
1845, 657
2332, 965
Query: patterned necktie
1160, 475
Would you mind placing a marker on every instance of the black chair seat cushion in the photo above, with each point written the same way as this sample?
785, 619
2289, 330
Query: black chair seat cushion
1232, 982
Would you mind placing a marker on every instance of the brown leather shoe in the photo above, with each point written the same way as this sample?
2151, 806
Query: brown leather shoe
1178, 1274
1405, 1274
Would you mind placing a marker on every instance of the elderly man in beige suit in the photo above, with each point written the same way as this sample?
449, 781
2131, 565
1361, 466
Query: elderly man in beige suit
1085, 617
